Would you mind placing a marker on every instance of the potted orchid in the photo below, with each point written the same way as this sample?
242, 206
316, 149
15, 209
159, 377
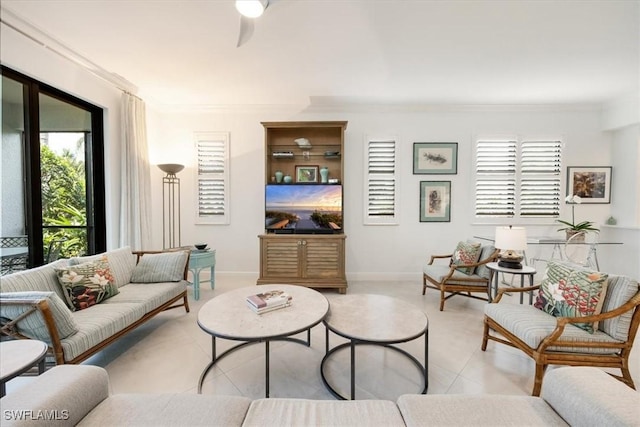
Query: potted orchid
571, 227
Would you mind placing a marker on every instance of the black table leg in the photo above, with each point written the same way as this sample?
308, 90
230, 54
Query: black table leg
353, 370
266, 346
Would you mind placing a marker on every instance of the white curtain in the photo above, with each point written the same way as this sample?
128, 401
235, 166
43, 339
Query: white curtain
135, 199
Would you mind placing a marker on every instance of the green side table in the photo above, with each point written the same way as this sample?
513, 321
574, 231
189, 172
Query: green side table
198, 261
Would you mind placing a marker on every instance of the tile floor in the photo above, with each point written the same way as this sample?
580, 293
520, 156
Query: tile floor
168, 354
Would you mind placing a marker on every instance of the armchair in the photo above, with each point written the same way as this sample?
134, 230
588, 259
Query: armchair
450, 279
551, 340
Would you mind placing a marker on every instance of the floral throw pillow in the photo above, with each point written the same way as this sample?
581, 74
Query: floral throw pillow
87, 284
565, 292
466, 253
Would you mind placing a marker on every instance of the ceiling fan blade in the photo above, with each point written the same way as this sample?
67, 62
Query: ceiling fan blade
246, 30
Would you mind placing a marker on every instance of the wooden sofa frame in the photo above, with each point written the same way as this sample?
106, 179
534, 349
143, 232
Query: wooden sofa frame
471, 284
543, 357
42, 306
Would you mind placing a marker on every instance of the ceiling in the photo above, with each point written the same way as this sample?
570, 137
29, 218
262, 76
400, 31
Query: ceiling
371, 51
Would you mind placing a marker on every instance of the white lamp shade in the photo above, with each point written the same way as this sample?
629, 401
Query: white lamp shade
511, 238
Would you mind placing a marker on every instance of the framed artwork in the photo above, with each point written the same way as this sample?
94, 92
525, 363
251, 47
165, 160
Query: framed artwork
306, 173
591, 183
435, 158
435, 201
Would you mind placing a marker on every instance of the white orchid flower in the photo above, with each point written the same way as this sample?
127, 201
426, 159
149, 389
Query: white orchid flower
574, 198
556, 293
99, 280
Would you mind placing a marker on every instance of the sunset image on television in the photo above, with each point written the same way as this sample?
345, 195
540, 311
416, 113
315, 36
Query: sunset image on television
303, 207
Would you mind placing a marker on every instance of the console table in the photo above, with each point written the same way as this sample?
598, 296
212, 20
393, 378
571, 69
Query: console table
199, 260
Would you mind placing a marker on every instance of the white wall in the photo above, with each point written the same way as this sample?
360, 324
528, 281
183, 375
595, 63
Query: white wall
34, 60
373, 252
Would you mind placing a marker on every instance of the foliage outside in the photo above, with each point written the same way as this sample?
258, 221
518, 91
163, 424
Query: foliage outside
63, 204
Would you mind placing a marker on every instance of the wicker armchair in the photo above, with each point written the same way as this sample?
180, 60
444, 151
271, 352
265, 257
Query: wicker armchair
550, 340
448, 279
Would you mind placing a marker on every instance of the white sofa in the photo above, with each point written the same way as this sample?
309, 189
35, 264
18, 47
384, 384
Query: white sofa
32, 302
79, 395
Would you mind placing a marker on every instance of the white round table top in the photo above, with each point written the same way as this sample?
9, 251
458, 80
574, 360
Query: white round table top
228, 316
375, 318
526, 269
17, 355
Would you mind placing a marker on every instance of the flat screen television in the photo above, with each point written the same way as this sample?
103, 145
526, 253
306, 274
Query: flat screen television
303, 208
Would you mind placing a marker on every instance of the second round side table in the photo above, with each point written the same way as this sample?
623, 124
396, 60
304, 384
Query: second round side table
522, 272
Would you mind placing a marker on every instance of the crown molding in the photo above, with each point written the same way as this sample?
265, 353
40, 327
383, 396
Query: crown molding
26, 29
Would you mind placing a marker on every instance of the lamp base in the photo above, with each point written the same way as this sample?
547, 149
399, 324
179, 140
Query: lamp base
511, 263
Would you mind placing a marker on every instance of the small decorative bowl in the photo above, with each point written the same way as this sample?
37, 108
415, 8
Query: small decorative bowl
200, 246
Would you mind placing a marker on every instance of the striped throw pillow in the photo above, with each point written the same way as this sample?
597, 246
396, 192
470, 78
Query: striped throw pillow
161, 267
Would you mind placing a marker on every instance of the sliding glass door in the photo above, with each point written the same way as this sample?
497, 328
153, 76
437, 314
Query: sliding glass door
52, 174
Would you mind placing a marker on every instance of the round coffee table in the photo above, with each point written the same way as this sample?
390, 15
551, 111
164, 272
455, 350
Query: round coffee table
18, 357
228, 316
374, 320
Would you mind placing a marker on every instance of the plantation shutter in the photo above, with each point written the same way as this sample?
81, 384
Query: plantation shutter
540, 188
212, 177
496, 178
380, 182
518, 178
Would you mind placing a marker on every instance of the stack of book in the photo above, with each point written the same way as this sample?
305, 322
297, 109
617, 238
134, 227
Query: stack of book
268, 301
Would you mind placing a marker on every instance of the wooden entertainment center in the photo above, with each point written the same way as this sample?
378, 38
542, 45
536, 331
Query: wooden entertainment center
307, 259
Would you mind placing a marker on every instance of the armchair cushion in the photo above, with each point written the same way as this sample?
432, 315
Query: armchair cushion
439, 272
482, 270
532, 326
466, 253
566, 292
620, 289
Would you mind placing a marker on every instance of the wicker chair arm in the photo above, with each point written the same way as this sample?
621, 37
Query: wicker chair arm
434, 257
629, 305
42, 306
503, 291
553, 338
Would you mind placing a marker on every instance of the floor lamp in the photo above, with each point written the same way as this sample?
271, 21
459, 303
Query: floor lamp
170, 205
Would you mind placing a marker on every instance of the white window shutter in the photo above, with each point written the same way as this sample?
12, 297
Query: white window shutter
518, 178
540, 182
496, 178
380, 182
212, 152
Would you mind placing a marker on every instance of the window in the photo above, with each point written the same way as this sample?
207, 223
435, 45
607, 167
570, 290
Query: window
53, 181
518, 178
381, 182
212, 151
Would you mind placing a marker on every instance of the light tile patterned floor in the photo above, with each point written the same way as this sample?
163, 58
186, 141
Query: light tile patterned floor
168, 354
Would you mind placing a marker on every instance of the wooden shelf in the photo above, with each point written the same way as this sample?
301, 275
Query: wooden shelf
313, 260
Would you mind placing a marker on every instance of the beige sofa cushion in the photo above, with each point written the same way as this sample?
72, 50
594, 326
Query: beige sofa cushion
477, 410
121, 261
302, 412
587, 396
183, 409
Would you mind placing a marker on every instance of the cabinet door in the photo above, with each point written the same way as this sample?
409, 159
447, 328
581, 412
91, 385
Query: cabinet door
324, 258
281, 258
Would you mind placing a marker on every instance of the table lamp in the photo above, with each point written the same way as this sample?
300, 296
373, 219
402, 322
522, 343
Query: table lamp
509, 240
